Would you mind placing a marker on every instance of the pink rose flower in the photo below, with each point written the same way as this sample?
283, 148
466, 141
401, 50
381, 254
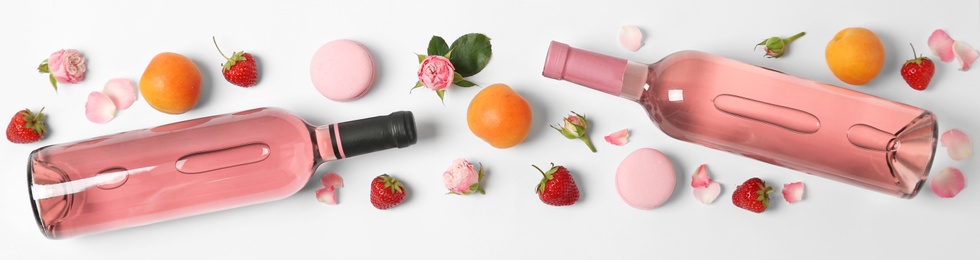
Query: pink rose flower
67, 66
462, 178
436, 72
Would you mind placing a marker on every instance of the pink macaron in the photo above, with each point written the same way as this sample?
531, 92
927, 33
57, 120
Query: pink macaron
645, 179
342, 70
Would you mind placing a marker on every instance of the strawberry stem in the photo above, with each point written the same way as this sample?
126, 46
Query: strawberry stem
219, 48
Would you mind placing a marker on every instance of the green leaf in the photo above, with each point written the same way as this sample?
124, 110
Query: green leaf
464, 83
43, 68
471, 53
457, 77
474, 187
54, 82
418, 84
421, 57
438, 46
442, 95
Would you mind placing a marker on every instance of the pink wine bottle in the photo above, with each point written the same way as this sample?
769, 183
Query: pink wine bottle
193, 167
766, 115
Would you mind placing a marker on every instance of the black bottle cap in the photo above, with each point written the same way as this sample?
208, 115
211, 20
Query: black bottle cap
396, 130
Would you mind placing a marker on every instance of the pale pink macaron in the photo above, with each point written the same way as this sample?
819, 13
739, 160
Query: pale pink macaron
645, 179
342, 70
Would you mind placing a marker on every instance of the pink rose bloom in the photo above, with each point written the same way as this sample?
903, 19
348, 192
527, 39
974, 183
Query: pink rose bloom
436, 72
462, 178
67, 66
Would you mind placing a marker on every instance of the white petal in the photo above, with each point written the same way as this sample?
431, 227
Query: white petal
630, 38
957, 144
99, 108
121, 91
793, 192
966, 54
947, 183
708, 194
941, 45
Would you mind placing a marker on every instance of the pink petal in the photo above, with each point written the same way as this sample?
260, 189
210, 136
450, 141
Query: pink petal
947, 183
941, 45
619, 137
327, 195
793, 192
957, 144
709, 193
630, 38
99, 108
700, 177
966, 54
332, 180
121, 91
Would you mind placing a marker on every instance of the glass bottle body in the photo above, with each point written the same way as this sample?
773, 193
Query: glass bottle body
176, 170
777, 118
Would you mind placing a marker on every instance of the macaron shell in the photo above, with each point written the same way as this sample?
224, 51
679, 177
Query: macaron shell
342, 70
645, 179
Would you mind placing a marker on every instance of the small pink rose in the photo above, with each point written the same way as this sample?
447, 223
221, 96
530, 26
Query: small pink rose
67, 66
462, 178
436, 72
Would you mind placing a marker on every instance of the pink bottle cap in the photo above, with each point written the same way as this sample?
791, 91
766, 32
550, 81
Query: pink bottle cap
342, 70
593, 70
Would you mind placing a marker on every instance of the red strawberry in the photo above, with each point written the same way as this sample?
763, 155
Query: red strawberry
918, 71
752, 195
557, 188
240, 69
386, 192
26, 127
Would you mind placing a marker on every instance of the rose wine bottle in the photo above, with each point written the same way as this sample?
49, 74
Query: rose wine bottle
193, 167
767, 115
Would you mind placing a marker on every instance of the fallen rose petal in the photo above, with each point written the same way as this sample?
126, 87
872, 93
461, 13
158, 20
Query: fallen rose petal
99, 108
332, 180
709, 193
941, 45
947, 183
700, 177
121, 91
630, 38
793, 192
965, 54
957, 144
327, 195
619, 138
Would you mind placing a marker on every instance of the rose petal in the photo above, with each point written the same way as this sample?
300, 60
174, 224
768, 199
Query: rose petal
700, 177
619, 137
630, 38
99, 108
327, 195
941, 45
709, 193
957, 144
965, 54
793, 192
121, 91
947, 183
332, 180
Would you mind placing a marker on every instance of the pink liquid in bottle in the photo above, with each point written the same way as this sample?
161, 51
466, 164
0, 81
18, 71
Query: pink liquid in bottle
193, 167
766, 115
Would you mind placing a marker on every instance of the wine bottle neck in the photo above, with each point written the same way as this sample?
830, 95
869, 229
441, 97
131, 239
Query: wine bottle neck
352, 138
604, 73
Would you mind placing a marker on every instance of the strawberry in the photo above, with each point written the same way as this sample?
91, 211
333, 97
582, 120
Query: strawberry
240, 69
557, 188
386, 192
918, 71
26, 127
752, 195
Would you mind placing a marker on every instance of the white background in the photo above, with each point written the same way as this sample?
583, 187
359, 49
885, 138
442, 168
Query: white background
118, 39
